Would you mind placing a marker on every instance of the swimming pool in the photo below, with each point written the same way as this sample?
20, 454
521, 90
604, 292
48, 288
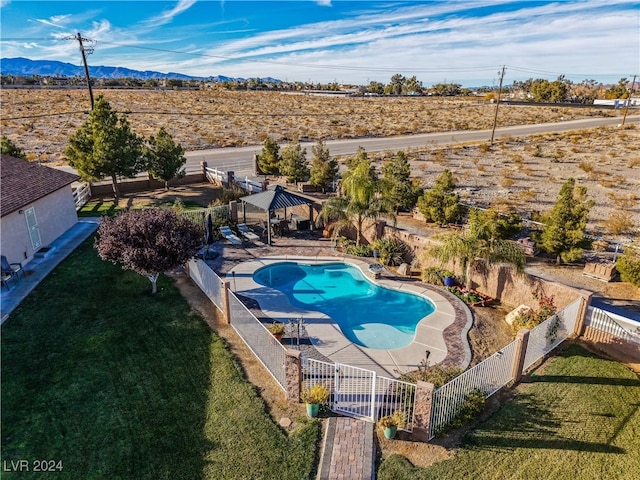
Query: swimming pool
368, 315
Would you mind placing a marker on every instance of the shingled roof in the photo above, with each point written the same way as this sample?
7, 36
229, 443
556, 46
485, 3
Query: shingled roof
23, 182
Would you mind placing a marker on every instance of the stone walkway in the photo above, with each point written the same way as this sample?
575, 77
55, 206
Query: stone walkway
348, 451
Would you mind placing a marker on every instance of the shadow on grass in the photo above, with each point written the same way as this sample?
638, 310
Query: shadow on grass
526, 423
105, 378
626, 382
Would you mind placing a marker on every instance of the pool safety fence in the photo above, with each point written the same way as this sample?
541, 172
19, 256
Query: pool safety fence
503, 367
199, 215
359, 392
364, 394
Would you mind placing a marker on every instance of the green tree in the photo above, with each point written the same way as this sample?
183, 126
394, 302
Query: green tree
629, 266
105, 146
7, 147
440, 204
395, 85
566, 223
493, 225
165, 160
324, 169
618, 91
473, 245
397, 187
269, 158
293, 162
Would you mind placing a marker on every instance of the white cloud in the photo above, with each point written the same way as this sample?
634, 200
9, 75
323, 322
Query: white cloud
167, 17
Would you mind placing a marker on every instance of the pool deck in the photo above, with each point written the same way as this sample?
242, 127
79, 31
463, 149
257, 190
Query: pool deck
445, 329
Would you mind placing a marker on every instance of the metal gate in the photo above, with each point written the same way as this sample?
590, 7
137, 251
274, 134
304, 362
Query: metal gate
360, 393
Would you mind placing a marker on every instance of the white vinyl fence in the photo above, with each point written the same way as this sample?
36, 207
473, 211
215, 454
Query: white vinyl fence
615, 325
81, 195
360, 393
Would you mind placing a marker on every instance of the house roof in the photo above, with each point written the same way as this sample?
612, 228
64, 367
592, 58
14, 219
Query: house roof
275, 199
23, 182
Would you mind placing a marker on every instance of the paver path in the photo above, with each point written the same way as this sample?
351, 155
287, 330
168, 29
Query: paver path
348, 450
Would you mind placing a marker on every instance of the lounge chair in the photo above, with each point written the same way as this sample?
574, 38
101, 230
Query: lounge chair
230, 236
247, 233
14, 270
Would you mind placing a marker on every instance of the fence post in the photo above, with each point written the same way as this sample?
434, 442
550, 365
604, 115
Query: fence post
233, 211
203, 165
578, 329
226, 311
422, 411
293, 374
521, 351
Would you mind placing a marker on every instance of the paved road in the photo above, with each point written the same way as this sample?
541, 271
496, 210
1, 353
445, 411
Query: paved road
240, 160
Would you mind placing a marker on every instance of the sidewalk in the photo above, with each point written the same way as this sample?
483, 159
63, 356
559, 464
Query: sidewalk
348, 451
38, 268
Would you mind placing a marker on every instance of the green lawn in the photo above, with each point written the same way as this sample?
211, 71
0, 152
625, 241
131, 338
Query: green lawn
118, 384
580, 419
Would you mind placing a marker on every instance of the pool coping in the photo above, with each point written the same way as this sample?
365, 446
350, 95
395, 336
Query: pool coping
326, 336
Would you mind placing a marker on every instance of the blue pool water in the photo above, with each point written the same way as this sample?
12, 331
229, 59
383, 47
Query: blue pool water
368, 315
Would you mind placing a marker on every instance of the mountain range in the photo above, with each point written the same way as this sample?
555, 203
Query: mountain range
29, 68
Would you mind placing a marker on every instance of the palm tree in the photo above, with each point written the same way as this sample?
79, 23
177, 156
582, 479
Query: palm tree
359, 202
470, 246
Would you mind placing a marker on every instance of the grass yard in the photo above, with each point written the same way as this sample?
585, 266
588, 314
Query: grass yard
577, 419
118, 384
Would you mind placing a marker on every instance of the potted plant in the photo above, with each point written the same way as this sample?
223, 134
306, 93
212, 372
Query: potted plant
277, 330
313, 397
448, 278
391, 423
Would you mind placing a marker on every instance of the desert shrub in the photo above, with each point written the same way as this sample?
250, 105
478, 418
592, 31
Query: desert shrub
586, 166
619, 223
472, 405
484, 147
530, 319
390, 250
436, 374
359, 250
435, 275
628, 266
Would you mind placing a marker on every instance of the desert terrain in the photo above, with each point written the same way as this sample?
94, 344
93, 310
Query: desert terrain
523, 173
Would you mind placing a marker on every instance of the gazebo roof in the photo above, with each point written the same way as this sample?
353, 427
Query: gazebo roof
275, 199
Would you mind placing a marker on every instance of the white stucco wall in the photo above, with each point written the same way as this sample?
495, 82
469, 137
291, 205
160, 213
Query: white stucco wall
56, 213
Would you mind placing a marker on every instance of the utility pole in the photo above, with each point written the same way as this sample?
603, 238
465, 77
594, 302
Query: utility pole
495, 118
626, 108
85, 52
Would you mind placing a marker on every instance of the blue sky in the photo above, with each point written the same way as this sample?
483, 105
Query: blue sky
463, 42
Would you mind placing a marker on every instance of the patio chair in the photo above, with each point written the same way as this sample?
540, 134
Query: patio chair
230, 236
6, 278
247, 233
11, 269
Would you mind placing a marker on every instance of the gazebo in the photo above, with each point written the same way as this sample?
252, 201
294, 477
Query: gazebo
274, 199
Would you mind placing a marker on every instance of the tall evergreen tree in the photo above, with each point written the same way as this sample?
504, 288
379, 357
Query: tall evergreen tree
269, 158
566, 223
165, 160
324, 169
293, 162
440, 204
397, 187
105, 146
